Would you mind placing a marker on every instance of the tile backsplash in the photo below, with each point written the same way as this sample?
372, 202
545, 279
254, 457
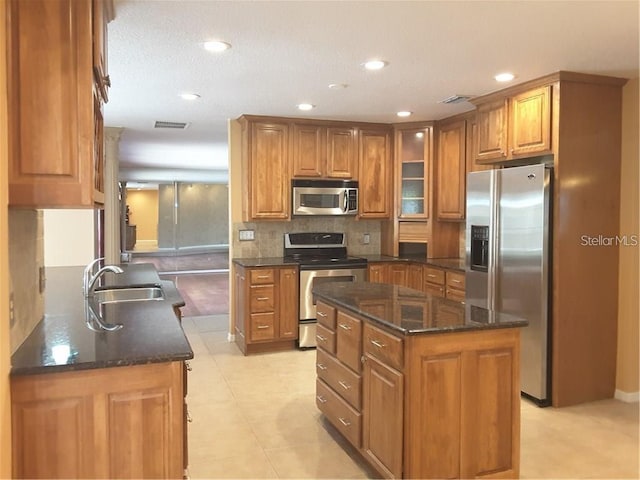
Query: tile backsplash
26, 258
269, 236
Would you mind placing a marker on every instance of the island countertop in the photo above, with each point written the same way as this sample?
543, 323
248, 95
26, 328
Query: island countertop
61, 341
410, 312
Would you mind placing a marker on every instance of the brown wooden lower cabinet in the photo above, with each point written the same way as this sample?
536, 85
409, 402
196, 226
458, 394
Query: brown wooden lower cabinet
444, 405
121, 422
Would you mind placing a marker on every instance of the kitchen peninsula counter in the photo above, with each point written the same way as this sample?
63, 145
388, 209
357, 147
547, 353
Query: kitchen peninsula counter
421, 386
61, 341
447, 263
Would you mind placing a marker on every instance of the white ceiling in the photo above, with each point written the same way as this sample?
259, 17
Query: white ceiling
287, 52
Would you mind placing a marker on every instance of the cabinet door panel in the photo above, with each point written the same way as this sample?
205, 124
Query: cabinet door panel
377, 272
269, 171
308, 150
374, 174
341, 152
382, 432
288, 304
451, 165
530, 122
399, 274
492, 131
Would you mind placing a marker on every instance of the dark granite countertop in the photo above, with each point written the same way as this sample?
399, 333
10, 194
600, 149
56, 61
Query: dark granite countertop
265, 262
410, 312
448, 263
151, 332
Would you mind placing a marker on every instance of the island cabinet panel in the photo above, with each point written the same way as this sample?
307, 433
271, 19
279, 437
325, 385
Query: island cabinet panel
121, 422
378, 272
470, 381
383, 414
374, 174
288, 303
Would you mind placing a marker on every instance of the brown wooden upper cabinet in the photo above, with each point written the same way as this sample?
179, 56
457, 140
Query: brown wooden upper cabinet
375, 174
324, 151
515, 127
413, 164
265, 164
451, 168
55, 118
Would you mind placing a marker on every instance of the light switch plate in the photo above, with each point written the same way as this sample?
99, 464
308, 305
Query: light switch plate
366, 238
247, 235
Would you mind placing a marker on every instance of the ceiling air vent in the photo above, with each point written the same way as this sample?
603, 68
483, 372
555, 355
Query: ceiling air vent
178, 125
456, 99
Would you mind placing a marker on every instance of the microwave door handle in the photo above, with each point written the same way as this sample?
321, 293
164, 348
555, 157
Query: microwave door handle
345, 207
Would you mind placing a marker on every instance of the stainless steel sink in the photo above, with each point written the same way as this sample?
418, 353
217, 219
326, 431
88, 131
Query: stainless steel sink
130, 294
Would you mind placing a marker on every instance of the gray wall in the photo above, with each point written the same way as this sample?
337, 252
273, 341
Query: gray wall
203, 215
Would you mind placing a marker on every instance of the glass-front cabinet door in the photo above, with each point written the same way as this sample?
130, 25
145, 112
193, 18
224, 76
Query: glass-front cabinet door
413, 162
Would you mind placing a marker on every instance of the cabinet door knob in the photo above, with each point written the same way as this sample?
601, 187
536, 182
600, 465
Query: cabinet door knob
188, 366
189, 417
107, 80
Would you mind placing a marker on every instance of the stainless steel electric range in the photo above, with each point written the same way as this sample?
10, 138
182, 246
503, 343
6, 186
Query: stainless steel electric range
322, 257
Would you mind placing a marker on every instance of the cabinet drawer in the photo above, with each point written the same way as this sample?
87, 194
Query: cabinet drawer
455, 280
433, 275
349, 341
262, 298
342, 380
455, 294
262, 326
326, 338
261, 277
385, 347
339, 413
326, 315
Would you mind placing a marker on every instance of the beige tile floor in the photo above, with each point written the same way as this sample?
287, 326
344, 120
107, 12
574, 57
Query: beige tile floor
255, 417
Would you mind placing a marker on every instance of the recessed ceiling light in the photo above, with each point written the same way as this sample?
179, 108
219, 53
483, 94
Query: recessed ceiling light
420, 135
189, 96
404, 114
375, 64
337, 86
216, 46
504, 77
305, 106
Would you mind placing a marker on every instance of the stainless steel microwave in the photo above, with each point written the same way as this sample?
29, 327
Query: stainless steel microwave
324, 197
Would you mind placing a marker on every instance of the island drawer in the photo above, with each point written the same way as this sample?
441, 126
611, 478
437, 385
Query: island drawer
262, 298
349, 341
262, 276
326, 315
455, 280
387, 348
326, 338
339, 413
434, 275
262, 326
346, 383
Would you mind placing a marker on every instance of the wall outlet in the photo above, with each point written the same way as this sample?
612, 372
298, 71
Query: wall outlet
366, 238
247, 235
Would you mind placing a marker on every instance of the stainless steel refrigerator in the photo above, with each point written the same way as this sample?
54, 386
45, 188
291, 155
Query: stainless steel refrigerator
508, 259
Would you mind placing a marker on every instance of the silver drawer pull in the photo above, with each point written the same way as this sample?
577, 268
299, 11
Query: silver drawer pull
321, 314
321, 399
431, 275
321, 338
453, 280
262, 299
263, 276
321, 366
377, 343
346, 423
344, 326
344, 384
262, 327
188, 366
189, 417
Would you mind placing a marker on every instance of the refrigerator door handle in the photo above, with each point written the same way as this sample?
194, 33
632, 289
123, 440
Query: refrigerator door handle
494, 236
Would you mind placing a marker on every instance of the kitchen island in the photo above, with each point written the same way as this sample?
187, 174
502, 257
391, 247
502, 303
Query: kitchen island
89, 404
423, 387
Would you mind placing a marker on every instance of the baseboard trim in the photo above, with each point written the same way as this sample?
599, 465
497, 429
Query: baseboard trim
629, 397
231, 337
